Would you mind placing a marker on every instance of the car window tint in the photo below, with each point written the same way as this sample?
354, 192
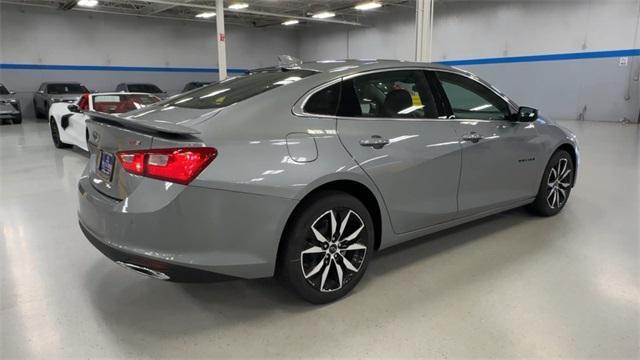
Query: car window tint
144, 88
233, 90
390, 94
324, 102
66, 89
472, 100
3, 90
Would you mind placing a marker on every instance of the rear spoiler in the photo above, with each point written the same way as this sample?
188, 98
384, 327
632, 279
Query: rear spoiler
142, 125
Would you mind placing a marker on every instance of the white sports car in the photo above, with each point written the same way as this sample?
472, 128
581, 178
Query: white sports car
67, 121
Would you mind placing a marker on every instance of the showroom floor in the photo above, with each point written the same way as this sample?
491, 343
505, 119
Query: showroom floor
511, 285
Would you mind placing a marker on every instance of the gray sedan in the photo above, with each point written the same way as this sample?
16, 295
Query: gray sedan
49, 93
9, 106
305, 172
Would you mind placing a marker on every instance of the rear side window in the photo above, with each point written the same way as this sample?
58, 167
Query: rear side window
233, 90
472, 100
390, 94
324, 102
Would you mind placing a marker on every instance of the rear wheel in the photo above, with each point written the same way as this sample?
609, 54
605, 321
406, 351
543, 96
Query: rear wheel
327, 247
55, 135
555, 187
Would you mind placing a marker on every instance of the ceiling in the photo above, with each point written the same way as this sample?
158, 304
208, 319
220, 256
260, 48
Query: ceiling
260, 13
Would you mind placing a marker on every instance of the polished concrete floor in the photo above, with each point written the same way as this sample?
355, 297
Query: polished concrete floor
508, 286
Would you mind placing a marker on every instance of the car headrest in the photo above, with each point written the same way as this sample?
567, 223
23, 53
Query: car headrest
397, 100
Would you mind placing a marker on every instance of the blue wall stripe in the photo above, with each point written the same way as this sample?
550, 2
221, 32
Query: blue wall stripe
481, 61
550, 57
114, 68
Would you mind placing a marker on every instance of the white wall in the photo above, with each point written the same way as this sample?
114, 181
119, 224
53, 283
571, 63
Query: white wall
30, 35
596, 89
388, 36
35, 35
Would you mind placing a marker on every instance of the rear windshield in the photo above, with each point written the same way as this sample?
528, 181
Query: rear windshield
3, 90
236, 89
66, 89
145, 88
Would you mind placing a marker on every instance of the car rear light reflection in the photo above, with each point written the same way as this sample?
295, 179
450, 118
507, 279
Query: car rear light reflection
179, 165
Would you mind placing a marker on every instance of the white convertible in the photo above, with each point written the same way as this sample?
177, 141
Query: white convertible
67, 121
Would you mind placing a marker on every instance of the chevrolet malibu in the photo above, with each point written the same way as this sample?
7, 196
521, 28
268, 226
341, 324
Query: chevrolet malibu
304, 172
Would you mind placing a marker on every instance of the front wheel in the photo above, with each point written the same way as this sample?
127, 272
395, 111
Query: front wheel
327, 247
17, 119
556, 184
55, 135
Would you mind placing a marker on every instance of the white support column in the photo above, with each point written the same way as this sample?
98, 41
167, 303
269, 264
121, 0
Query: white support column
222, 52
424, 29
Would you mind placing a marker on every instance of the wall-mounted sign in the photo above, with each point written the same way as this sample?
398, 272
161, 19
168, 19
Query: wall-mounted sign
623, 61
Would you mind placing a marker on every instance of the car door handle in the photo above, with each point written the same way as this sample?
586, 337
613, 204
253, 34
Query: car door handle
375, 142
473, 137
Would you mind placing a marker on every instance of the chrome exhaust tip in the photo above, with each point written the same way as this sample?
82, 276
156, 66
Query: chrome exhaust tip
144, 270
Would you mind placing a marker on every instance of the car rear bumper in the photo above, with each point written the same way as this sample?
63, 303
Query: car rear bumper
187, 228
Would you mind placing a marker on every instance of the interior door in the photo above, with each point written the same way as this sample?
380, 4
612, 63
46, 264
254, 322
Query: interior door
499, 163
388, 121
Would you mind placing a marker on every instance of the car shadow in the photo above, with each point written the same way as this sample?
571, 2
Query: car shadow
129, 302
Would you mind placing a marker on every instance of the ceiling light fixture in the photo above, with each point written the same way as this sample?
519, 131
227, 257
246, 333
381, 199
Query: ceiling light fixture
88, 3
238, 6
290, 22
368, 5
324, 15
206, 15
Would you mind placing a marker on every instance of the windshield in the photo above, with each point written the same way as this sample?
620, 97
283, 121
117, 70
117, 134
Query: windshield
144, 88
236, 89
66, 89
116, 104
3, 90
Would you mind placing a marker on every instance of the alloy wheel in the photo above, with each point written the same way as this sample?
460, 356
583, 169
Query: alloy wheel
335, 249
559, 183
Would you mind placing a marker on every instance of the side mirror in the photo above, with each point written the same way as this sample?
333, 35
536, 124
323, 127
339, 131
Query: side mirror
526, 114
40, 92
12, 92
74, 108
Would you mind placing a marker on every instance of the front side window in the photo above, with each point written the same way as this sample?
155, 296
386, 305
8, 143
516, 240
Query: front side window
58, 89
237, 89
472, 100
390, 94
3, 90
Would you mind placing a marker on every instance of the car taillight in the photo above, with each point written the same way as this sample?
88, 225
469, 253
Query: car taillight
179, 165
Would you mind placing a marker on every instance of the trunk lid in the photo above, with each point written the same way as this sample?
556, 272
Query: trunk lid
109, 134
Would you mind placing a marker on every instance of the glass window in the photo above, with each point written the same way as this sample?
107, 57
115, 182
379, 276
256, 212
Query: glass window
391, 94
472, 100
121, 103
236, 89
144, 88
3, 90
57, 89
324, 102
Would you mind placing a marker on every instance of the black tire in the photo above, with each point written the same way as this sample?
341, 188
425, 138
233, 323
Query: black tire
55, 135
305, 261
546, 203
17, 120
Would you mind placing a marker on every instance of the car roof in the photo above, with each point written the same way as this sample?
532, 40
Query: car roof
122, 93
368, 64
60, 82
